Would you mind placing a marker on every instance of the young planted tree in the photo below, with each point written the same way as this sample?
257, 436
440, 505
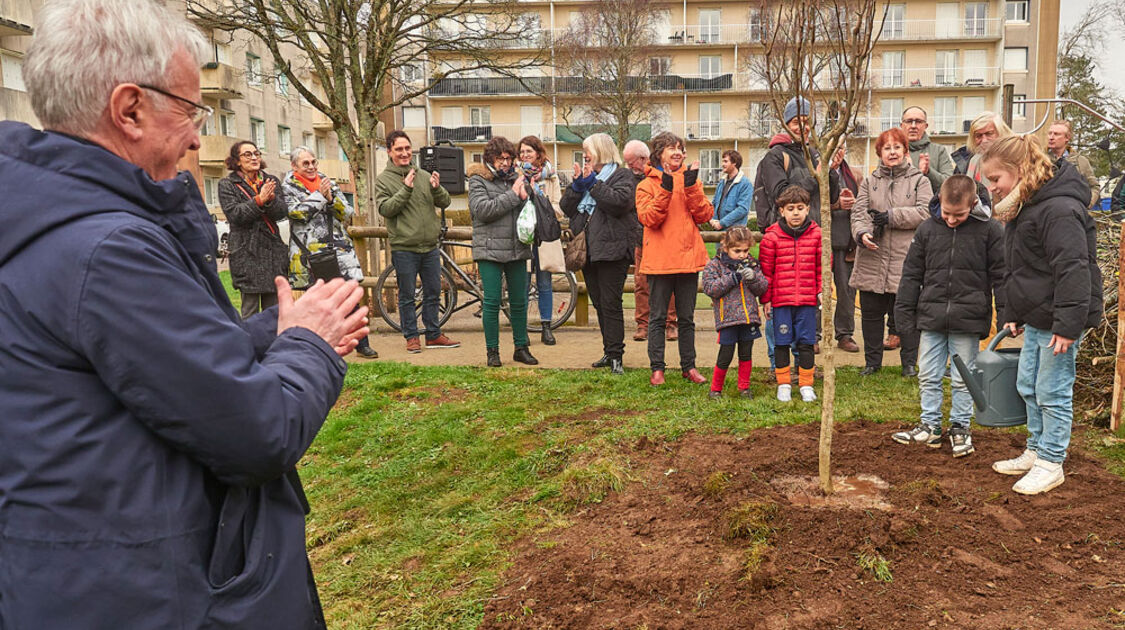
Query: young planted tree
603, 68
820, 50
353, 60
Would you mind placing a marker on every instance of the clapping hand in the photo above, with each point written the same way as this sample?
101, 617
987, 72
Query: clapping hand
519, 187
747, 272
435, 179
326, 188
847, 199
330, 310
409, 179
266, 194
924, 163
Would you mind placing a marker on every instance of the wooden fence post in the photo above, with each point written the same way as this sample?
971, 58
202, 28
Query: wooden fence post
1119, 360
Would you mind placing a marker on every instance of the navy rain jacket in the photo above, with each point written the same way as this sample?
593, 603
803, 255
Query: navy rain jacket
144, 430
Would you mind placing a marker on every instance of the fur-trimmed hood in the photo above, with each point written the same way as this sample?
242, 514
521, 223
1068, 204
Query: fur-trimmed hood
487, 172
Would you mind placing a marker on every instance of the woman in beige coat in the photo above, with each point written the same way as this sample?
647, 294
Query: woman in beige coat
892, 202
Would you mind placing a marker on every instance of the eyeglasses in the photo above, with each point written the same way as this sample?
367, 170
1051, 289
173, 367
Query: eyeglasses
504, 158
250, 154
308, 163
202, 112
914, 121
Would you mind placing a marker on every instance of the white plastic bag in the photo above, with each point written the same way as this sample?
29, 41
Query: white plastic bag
525, 224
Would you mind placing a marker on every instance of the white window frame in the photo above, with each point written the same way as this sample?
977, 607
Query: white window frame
1017, 11
1019, 110
710, 161
710, 66
409, 122
1012, 53
12, 69
258, 133
480, 115
284, 140
976, 23
211, 191
894, 74
253, 70
281, 84
710, 120
890, 113
711, 29
945, 119
894, 27
228, 124
659, 66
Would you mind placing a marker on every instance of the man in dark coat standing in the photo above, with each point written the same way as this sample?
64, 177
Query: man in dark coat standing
148, 436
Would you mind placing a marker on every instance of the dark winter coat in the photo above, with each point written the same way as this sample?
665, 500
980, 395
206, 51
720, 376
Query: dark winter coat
842, 240
732, 297
146, 430
611, 231
951, 275
773, 178
1052, 279
790, 259
961, 159
257, 253
494, 208
1117, 200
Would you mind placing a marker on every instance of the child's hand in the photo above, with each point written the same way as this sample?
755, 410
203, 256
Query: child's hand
747, 273
766, 310
1013, 329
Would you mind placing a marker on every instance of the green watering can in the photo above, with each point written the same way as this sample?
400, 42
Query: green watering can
992, 384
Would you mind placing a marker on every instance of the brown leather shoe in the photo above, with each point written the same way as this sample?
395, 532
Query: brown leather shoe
892, 342
694, 376
441, 341
641, 334
816, 348
672, 334
847, 344
413, 346
657, 378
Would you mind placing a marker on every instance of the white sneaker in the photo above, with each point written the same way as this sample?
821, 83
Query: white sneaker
808, 394
785, 393
1017, 466
1044, 475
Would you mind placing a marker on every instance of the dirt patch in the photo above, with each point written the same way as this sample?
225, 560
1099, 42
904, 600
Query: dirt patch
348, 398
954, 548
432, 395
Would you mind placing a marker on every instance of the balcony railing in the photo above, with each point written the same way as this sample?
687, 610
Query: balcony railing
218, 80
480, 86
935, 77
915, 30
213, 150
338, 170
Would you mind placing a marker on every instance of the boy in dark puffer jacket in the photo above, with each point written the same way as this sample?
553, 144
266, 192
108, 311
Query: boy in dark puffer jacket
790, 259
732, 280
953, 269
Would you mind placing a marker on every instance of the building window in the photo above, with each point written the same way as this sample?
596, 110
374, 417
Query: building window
971, 107
946, 69
413, 117
210, 191
344, 156
477, 158
890, 113
226, 125
710, 115
282, 85
709, 166
659, 66
12, 69
209, 126
258, 133
895, 22
1019, 110
945, 119
307, 140
709, 20
1017, 11
253, 69
761, 119
411, 73
577, 155
321, 146
976, 19
284, 140
222, 53
710, 66
480, 116
893, 61
755, 25
1015, 59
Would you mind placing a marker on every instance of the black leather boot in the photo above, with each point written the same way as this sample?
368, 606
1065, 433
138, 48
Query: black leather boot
548, 336
601, 363
522, 355
616, 366
365, 350
493, 357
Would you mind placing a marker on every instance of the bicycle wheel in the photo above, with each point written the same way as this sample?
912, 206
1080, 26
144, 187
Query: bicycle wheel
386, 298
564, 294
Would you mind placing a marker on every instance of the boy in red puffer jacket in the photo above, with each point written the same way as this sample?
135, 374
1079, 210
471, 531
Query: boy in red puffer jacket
790, 259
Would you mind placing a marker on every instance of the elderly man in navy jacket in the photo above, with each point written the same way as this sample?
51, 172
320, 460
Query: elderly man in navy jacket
148, 438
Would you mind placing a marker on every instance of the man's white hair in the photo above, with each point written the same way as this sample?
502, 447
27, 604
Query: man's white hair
83, 49
637, 148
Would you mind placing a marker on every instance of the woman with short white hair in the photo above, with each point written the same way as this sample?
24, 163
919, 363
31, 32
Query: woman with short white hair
985, 129
318, 218
600, 202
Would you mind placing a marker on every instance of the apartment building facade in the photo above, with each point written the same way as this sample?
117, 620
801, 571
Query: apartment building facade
251, 100
951, 58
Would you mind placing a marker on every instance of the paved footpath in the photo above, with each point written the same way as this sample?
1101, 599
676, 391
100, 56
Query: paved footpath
577, 347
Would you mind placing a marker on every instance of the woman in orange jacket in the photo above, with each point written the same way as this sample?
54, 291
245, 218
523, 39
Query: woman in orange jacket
670, 206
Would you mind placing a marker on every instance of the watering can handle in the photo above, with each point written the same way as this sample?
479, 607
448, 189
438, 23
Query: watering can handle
1000, 335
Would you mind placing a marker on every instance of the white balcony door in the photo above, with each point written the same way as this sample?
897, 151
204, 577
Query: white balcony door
710, 66
976, 66
945, 115
946, 67
531, 120
893, 25
893, 61
452, 117
890, 112
709, 20
709, 116
947, 19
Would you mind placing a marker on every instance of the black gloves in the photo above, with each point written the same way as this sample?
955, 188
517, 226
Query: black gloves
879, 219
666, 182
690, 177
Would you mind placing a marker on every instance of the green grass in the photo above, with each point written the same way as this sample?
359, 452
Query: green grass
423, 476
234, 294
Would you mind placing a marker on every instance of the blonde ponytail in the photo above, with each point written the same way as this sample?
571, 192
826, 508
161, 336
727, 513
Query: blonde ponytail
1024, 155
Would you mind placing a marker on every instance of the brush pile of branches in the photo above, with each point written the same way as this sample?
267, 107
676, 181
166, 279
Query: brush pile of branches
1093, 385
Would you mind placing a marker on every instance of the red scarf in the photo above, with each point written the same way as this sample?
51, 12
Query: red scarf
312, 185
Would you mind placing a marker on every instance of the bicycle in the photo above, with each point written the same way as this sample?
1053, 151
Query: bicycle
455, 280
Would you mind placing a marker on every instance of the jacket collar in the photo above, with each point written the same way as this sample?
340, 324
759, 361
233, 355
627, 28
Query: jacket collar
921, 143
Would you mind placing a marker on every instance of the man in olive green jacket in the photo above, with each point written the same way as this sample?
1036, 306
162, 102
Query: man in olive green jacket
932, 159
406, 196
1059, 135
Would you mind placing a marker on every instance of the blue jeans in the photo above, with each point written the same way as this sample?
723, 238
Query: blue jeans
543, 284
934, 350
1046, 382
767, 326
408, 267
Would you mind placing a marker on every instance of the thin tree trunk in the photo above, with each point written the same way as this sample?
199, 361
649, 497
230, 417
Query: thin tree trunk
828, 394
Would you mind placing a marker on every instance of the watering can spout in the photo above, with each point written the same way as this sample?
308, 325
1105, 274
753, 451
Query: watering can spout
972, 379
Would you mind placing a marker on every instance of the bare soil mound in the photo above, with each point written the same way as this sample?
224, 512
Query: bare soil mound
706, 537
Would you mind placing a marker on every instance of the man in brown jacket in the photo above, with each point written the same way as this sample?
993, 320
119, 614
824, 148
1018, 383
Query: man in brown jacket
1059, 135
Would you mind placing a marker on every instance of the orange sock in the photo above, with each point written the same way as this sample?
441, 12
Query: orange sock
782, 375
805, 376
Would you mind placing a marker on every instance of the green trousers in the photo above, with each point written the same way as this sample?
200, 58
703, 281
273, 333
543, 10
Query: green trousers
492, 280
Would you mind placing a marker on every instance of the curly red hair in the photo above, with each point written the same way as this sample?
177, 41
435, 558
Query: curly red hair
894, 134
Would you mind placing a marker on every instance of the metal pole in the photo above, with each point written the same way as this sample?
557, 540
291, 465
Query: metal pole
1065, 101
